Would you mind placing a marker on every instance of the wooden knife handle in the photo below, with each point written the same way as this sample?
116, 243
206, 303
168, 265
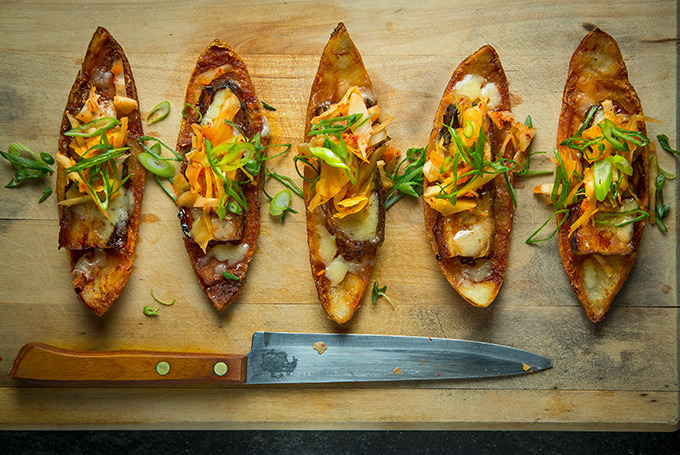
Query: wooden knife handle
45, 364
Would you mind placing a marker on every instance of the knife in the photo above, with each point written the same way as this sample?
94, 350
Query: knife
281, 358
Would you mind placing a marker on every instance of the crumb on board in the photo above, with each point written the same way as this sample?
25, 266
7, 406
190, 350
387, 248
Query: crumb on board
320, 347
525, 367
397, 370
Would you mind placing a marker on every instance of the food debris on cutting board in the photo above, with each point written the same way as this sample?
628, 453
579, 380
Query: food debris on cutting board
320, 347
397, 370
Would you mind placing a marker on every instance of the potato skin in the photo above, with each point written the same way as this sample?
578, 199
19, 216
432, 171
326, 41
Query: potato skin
340, 68
101, 289
486, 63
219, 290
597, 72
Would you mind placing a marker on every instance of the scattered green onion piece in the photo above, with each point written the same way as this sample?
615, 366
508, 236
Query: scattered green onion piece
531, 241
268, 107
187, 105
161, 301
280, 202
150, 311
230, 276
47, 158
528, 122
161, 168
170, 194
47, 192
287, 182
379, 292
156, 150
161, 110
663, 141
106, 122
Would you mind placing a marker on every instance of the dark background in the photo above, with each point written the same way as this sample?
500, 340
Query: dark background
335, 442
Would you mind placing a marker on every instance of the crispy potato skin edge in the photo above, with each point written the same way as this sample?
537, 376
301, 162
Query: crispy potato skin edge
220, 291
324, 91
618, 88
103, 42
486, 63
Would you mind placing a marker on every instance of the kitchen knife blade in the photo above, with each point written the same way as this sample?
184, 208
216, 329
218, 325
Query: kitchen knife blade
282, 358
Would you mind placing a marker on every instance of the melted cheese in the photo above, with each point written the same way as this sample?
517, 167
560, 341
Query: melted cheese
86, 265
469, 233
226, 253
216, 106
595, 238
363, 225
476, 88
327, 246
336, 270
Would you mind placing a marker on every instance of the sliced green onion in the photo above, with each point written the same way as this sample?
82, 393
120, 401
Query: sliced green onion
280, 202
187, 105
84, 163
161, 168
268, 107
47, 158
531, 240
106, 124
230, 276
469, 129
158, 113
639, 215
47, 192
287, 181
150, 311
663, 141
622, 164
156, 150
377, 292
608, 128
170, 194
161, 301
329, 157
602, 177
528, 122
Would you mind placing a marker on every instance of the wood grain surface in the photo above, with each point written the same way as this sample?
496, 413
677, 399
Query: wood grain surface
621, 374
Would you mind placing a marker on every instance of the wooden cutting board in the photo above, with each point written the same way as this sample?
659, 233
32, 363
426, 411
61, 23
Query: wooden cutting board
621, 374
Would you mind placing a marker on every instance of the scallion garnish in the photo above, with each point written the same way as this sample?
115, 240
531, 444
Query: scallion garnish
161, 301
47, 192
268, 107
287, 182
230, 276
158, 167
280, 203
101, 125
101, 170
531, 240
410, 180
158, 113
379, 292
663, 141
28, 164
638, 215
193, 108
150, 311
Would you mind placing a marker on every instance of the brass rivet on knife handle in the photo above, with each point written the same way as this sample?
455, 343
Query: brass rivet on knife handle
162, 368
44, 364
